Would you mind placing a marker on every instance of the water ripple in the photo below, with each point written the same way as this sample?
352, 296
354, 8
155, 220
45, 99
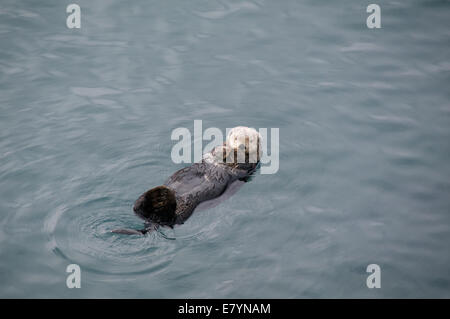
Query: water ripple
81, 234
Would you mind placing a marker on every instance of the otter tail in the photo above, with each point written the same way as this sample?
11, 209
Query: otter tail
157, 205
127, 231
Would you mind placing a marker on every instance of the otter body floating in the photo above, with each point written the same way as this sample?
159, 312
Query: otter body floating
173, 202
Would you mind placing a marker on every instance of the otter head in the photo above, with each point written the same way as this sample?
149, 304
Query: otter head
245, 143
157, 205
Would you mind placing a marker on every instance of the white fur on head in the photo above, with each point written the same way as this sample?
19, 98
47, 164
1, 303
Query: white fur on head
247, 137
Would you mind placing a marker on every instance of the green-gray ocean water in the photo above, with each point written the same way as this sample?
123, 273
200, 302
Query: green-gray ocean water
86, 117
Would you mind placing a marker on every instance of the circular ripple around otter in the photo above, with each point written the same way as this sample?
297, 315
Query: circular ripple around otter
82, 235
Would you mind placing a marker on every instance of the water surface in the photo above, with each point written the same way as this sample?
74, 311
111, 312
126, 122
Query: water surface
364, 118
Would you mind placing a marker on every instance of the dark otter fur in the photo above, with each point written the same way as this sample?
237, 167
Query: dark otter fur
173, 202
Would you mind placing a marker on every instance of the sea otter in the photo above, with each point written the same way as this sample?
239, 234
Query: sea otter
173, 202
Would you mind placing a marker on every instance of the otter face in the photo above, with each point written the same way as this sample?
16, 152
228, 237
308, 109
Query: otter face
247, 141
